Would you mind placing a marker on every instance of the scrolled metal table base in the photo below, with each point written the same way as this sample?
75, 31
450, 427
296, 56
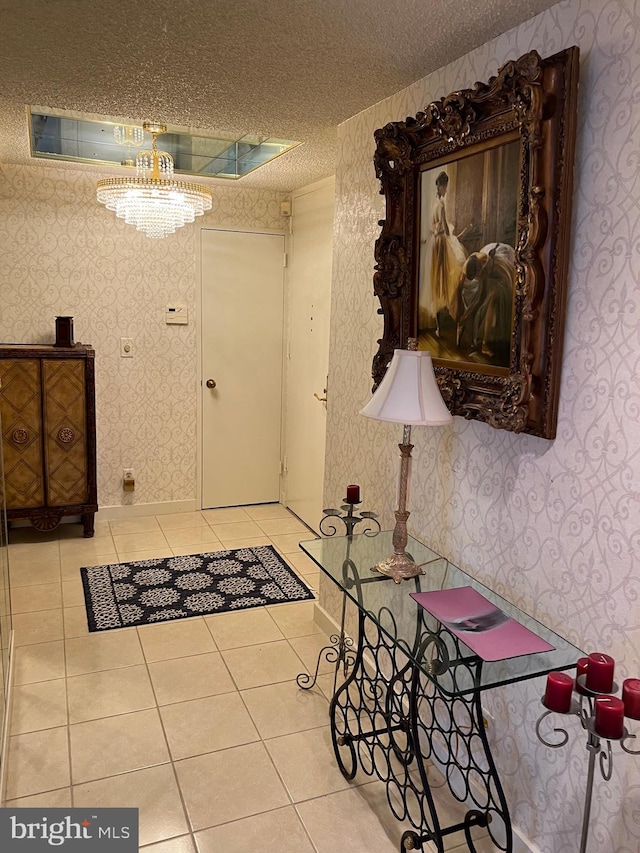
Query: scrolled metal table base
389, 719
340, 651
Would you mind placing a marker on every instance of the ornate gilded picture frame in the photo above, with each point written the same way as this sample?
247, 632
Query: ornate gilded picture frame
473, 254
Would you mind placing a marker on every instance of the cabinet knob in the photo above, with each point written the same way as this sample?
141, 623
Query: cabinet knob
211, 383
20, 436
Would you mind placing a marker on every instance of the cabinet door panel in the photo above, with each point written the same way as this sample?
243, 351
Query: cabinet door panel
20, 406
65, 431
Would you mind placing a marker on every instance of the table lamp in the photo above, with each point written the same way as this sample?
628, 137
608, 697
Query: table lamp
408, 395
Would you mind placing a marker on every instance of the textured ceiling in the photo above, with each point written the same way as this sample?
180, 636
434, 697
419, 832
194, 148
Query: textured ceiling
285, 68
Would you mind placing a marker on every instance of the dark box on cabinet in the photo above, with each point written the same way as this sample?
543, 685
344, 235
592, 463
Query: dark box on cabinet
64, 332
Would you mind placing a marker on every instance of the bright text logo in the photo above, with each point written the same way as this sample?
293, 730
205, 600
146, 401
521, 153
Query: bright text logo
73, 830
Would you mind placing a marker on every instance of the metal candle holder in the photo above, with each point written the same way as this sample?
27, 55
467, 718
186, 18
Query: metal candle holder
584, 709
349, 519
340, 650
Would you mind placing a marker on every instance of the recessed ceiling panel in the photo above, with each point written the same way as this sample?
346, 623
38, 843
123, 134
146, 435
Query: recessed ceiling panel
105, 141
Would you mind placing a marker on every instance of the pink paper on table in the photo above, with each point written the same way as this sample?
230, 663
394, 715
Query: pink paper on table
487, 630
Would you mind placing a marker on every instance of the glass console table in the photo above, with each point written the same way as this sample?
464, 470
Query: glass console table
412, 693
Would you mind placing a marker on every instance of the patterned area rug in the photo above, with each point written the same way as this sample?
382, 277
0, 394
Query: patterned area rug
148, 591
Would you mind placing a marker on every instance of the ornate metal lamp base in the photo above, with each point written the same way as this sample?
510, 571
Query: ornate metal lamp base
399, 567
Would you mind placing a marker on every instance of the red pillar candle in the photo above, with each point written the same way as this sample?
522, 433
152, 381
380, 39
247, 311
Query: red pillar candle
609, 717
582, 666
353, 494
631, 698
600, 673
557, 696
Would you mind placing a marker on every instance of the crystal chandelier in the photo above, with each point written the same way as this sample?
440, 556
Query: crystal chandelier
153, 201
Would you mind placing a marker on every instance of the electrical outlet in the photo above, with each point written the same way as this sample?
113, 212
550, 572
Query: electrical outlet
127, 474
126, 347
487, 719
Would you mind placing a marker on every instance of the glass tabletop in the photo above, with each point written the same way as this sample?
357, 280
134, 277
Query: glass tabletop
348, 562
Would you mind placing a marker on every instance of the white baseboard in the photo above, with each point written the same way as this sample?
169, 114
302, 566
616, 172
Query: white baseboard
4, 733
521, 844
106, 513
324, 620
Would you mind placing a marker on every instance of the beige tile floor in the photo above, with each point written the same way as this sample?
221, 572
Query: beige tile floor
198, 723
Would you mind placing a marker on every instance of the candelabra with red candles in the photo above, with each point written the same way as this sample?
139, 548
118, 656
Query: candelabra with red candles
601, 713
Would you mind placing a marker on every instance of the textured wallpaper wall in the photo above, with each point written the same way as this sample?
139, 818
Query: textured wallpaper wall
552, 525
62, 253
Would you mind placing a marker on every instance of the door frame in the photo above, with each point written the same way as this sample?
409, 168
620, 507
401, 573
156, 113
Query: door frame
323, 183
198, 318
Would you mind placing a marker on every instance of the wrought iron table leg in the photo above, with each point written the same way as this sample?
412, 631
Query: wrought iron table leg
401, 762
340, 651
339, 708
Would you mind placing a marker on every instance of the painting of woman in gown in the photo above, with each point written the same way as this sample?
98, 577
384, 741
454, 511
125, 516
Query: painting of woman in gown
441, 261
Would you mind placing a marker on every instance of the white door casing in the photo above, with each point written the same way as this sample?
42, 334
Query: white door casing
309, 306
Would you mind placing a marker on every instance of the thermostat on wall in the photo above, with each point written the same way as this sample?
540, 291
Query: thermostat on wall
177, 315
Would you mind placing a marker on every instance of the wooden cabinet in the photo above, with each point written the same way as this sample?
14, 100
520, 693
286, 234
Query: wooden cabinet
47, 403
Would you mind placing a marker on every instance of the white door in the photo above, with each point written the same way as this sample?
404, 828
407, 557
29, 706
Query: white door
309, 303
242, 328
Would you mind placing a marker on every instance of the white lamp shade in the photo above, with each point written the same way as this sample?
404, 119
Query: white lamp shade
409, 393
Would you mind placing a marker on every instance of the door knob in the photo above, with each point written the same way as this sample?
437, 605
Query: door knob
211, 383
322, 399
